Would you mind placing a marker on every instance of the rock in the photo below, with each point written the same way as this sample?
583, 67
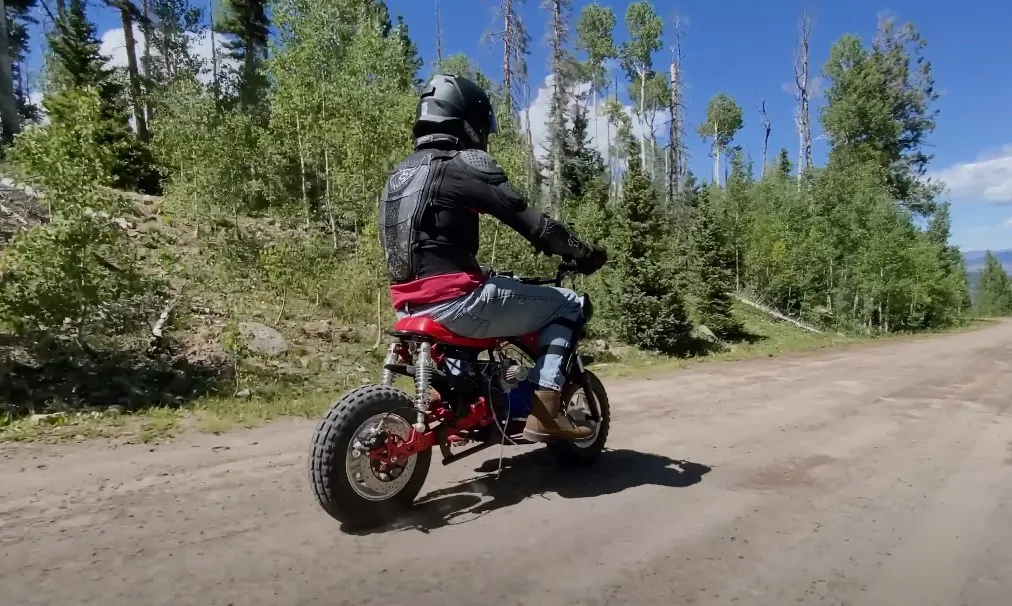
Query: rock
262, 339
114, 411
346, 334
123, 223
319, 329
243, 394
601, 345
49, 419
703, 332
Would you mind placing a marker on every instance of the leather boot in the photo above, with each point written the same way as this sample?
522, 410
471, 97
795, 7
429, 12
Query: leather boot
547, 421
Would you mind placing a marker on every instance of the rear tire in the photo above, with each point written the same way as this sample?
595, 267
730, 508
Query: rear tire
331, 460
584, 452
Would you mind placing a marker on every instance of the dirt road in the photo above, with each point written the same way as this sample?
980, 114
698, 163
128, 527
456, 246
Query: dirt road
868, 476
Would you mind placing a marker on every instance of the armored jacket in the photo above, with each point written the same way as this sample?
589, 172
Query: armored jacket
429, 216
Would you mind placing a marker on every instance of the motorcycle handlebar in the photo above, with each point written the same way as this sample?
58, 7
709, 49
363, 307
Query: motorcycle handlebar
564, 269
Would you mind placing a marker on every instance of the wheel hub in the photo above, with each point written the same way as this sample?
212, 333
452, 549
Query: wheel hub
373, 479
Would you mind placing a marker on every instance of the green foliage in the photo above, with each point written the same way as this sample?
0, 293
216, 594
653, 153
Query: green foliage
595, 37
994, 292
784, 163
76, 274
247, 28
645, 30
78, 66
644, 305
879, 109
723, 121
716, 260
76, 277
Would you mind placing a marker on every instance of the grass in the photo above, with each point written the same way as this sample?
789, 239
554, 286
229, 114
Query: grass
220, 414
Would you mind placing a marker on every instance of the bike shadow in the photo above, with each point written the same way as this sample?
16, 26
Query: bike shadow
535, 473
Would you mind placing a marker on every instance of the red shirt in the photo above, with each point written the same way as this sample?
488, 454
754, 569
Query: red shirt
434, 289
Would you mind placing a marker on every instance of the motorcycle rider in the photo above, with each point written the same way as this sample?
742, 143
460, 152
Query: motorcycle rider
429, 218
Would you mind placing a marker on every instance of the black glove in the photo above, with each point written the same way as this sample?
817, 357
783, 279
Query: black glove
592, 261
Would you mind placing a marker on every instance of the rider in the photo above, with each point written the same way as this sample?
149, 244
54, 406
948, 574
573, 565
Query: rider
429, 213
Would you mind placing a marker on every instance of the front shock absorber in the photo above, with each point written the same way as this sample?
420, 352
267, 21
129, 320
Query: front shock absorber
423, 377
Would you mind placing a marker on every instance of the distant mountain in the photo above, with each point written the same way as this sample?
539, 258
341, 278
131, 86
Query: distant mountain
975, 259
975, 265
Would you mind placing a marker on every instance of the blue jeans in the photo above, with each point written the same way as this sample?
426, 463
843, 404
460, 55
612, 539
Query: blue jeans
504, 307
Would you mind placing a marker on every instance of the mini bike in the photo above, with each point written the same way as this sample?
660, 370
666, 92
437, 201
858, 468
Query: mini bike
371, 453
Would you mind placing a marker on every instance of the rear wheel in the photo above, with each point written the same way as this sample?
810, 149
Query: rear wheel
350, 486
581, 408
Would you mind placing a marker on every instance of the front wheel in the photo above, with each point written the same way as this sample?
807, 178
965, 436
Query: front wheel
350, 486
579, 406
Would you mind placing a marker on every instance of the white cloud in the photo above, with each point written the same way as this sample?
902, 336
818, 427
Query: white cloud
597, 128
113, 46
816, 86
987, 179
1007, 222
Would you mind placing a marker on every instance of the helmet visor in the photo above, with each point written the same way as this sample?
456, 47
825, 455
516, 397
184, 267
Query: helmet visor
493, 126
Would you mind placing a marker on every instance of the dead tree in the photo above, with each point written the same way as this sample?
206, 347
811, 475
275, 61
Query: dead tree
676, 134
515, 47
557, 113
801, 84
439, 38
128, 13
767, 127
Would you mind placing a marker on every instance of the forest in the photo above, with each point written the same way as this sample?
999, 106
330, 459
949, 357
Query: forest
248, 180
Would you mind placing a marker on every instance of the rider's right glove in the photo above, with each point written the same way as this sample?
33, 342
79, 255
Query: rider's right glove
592, 261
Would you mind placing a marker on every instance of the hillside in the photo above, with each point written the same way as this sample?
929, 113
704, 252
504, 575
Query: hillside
224, 349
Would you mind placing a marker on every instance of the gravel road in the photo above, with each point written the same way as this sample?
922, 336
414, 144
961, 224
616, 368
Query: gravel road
878, 475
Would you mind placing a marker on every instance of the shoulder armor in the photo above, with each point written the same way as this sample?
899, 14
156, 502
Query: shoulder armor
481, 161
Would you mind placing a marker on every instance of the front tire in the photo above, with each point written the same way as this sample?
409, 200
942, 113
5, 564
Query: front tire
580, 453
348, 486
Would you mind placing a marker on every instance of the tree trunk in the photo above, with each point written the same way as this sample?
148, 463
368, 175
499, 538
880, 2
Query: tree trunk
146, 30
507, 66
214, 54
643, 117
10, 120
302, 171
716, 157
766, 138
126, 13
439, 38
801, 85
672, 158
61, 7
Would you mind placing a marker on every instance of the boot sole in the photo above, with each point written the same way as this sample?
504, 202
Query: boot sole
534, 436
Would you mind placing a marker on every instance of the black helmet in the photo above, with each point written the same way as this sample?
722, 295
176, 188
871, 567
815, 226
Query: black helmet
455, 106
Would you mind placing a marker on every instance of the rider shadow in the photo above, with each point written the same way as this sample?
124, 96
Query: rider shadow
534, 473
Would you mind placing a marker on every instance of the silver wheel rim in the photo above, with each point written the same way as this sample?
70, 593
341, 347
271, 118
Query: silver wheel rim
577, 409
361, 473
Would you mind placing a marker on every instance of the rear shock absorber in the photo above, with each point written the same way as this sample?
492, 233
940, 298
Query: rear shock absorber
423, 377
392, 357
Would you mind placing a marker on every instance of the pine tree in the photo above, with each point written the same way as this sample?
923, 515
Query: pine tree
994, 297
246, 22
80, 65
715, 260
784, 163
648, 309
76, 46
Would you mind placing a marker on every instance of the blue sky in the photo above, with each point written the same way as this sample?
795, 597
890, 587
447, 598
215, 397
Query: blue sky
745, 48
